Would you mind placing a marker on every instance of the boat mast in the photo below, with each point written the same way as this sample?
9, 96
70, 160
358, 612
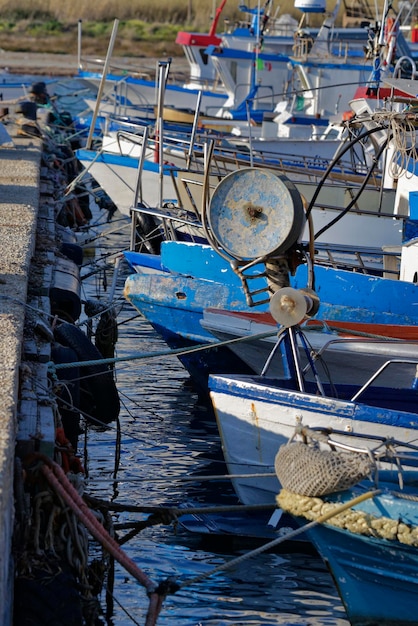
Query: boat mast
215, 21
379, 42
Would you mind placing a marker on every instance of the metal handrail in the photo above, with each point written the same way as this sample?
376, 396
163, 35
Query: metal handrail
379, 372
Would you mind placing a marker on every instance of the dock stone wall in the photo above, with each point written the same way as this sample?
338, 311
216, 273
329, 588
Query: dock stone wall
19, 203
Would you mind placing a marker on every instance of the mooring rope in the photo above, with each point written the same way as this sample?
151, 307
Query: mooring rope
286, 537
201, 348
404, 496
150, 355
60, 483
200, 478
173, 511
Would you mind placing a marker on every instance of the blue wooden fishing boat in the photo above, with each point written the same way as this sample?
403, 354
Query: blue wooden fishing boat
371, 548
196, 276
171, 291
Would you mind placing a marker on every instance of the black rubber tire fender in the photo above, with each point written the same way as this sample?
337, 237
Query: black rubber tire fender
98, 379
70, 393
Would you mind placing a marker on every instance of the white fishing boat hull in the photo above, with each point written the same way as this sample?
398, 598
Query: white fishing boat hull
255, 417
118, 177
144, 93
345, 356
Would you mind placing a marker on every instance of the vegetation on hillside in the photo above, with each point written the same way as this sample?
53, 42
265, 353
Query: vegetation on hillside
52, 25
195, 12
147, 26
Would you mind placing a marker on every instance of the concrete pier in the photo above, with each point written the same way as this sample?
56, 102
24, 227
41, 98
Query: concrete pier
19, 204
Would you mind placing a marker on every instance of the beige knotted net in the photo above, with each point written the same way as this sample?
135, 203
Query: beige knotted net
309, 470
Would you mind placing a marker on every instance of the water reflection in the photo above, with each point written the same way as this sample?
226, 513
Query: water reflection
168, 435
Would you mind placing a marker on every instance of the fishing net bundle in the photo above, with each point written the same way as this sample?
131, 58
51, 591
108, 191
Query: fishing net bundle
308, 470
308, 473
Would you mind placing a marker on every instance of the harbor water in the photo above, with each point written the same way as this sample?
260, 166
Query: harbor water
169, 442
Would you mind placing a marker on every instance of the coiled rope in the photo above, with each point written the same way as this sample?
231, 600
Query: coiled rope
60, 483
404, 139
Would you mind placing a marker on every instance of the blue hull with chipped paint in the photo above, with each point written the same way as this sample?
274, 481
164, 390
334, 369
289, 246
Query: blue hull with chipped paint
377, 578
188, 278
377, 581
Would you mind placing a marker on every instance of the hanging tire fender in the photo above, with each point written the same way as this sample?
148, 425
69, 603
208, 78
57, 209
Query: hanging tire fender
68, 399
97, 379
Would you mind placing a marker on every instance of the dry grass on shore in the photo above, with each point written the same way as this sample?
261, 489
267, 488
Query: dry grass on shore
188, 13
146, 27
150, 11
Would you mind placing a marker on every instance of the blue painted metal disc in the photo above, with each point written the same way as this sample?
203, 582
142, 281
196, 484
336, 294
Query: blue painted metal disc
256, 212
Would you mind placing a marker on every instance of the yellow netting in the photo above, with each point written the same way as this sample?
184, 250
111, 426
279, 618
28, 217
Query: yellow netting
353, 520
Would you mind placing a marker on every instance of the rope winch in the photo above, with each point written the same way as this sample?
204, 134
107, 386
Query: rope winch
255, 220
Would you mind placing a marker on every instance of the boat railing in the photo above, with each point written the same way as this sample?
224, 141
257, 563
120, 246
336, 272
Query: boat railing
302, 47
121, 101
358, 341
341, 49
189, 189
384, 446
403, 365
375, 261
126, 70
87, 64
119, 95
122, 98
379, 372
338, 48
193, 182
401, 67
263, 100
275, 27
228, 157
175, 222
343, 166
224, 160
171, 213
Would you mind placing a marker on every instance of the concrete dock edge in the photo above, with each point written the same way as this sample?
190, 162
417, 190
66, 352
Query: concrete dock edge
19, 205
